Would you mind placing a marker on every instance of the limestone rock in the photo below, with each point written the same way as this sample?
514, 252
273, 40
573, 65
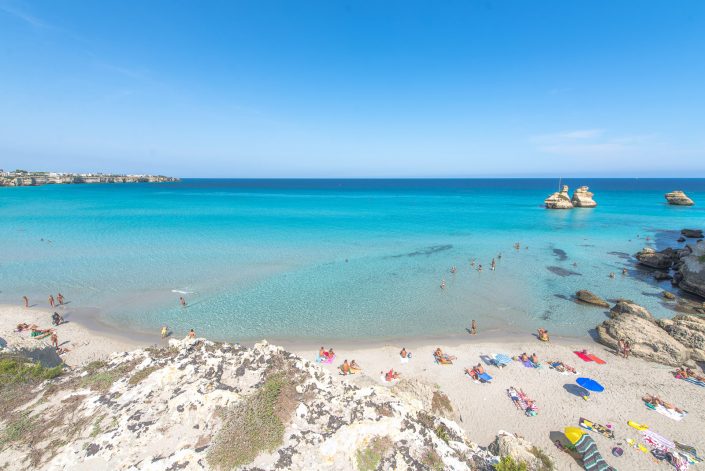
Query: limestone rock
582, 198
690, 331
559, 200
668, 295
591, 298
646, 338
518, 448
162, 409
662, 260
691, 271
678, 198
692, 233
624, 306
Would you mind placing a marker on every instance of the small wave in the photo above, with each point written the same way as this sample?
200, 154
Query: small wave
182, 291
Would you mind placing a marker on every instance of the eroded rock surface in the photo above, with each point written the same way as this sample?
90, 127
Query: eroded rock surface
678, 198
591, 298
165, 409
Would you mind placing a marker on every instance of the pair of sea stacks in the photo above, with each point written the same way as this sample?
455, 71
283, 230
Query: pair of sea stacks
582, 198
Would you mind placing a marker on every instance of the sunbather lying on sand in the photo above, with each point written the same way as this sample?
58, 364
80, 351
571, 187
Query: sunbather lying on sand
354, 367
475, 372
514, 396
562, 367
656, 401
36, 332
345, 368
443, 357
22, 327
683, 373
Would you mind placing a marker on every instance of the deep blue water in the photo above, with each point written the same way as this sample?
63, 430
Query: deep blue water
336, 258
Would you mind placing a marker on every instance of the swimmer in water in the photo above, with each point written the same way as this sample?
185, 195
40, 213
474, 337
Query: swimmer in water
472, 262
624, 271
443, 284
453, 269
479, 267
493, 265
499, 256
182, 301
612, 275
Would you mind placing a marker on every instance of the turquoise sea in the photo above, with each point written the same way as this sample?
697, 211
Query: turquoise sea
334, 259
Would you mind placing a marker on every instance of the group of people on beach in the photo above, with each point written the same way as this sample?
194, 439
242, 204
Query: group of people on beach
52, 301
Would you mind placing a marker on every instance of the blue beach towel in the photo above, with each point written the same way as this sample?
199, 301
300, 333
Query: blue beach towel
485, 377
696, 382
501, 360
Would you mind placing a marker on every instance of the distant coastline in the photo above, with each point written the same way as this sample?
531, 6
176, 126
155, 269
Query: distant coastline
25, 178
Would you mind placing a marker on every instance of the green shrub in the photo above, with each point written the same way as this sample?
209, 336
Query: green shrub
546, 463
508, 464
16, 369
254, 425
432, 460
369, 458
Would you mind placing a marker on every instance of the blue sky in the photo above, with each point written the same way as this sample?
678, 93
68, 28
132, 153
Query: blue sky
354, 89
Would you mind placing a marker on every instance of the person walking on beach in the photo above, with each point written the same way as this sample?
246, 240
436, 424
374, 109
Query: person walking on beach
51, 300
26, 301
60, 298
182, 301
55, 340
473, 328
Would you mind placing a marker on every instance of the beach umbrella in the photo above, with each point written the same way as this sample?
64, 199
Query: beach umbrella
590, 384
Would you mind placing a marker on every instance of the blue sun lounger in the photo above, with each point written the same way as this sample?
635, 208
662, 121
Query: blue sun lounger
485, 378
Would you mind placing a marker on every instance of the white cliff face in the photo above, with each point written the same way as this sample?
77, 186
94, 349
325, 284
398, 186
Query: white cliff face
165, 409
582, 198
559, 200
678, 198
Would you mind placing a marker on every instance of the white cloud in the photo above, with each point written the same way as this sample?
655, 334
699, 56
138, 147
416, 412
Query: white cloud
589, 143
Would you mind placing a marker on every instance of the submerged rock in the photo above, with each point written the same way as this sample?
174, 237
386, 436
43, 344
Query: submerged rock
582, 198
678, 198
692, 233
668, 295
559, 200
591, 298
661, 276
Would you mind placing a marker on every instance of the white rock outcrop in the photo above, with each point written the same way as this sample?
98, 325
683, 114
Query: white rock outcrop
559, 200
164, 409
582, 198
678, 198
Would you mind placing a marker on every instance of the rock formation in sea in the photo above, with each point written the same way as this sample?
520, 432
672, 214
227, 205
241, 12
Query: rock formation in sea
692, 233
591, 298
678, 198
204, 405
662, 260
559, 200
674, 342
582, 198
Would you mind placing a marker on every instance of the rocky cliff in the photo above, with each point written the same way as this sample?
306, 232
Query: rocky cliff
204, 405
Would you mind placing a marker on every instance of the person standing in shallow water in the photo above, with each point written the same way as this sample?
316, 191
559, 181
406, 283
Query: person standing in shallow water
26, 301
60, 298
51, 300
182, 301
493, 265
443, 284
473, 327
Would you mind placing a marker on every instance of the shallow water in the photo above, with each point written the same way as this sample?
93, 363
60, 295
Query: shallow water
305, 259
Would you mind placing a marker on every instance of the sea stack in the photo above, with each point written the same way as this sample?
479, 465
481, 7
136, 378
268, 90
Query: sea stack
678, 198
582, 198
559, 199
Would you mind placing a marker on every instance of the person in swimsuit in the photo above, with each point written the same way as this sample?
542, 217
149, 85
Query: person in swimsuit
354, 367
26, 301
191, 334
165, 331
473, 327
51, 300
345, 368
443, 284
493, 265
60, 298
403, 352
182, 301
55, 340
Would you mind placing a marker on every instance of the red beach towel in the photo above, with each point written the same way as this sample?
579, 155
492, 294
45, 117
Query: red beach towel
597, 360
583, 356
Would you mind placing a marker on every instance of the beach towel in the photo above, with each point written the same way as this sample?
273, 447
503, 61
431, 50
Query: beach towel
695, 381
658, 441
515, 396
670, 413
442, 361
325, 360
528, 364
484, 377
583, 356
404, 360
597, 360
500, 360
688, 450
592, 459
558, 366
595, 427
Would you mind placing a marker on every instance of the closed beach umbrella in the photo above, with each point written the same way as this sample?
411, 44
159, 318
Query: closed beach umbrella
590, 384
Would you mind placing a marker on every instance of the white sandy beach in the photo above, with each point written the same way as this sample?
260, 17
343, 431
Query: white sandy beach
484, 408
